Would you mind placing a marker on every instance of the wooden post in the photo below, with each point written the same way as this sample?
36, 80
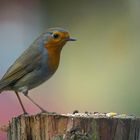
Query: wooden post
79, 126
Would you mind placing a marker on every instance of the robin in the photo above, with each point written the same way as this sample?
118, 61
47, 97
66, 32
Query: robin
36, 65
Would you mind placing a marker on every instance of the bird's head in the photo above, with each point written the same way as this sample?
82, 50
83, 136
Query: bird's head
55, 38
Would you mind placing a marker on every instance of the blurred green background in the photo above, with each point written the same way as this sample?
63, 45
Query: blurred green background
99, 72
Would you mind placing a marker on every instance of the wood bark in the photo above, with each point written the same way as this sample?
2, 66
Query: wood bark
74, 127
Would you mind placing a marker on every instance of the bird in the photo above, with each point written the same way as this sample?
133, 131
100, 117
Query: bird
36, 64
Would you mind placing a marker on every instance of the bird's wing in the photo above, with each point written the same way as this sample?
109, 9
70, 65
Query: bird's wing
26, 63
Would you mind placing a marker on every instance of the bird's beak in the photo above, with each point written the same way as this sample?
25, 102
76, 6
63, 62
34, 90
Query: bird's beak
71, 39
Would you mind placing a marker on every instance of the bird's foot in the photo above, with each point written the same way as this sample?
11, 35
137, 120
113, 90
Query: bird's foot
44, 111
54, 113
49, 113
24, 114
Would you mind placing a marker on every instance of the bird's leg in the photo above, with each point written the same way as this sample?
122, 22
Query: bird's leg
26, 94
24, 110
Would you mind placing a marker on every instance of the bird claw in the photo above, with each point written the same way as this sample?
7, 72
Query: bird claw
53, 113
44, 111
24, 114
49, 113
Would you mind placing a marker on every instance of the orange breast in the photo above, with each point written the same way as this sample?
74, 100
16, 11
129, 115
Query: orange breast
53, 58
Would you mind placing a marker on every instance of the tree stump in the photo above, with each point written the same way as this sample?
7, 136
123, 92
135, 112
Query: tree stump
78, 126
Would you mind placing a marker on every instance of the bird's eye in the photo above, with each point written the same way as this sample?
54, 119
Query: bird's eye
56, 36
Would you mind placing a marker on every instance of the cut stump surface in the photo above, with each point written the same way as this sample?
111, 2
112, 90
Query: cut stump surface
78, 126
